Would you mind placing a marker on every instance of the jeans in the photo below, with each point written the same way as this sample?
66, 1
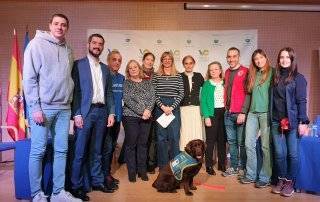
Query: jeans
168, 138
286, 152
256, 122
94, 126
137, 132
109, 145
236, 139
57, 121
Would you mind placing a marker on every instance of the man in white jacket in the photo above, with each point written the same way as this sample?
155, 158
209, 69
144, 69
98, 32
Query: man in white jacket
48, 87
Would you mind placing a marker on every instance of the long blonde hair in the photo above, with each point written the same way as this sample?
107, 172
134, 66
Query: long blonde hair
160, 70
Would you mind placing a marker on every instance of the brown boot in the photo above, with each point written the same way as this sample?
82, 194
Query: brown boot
277, 189
287, 189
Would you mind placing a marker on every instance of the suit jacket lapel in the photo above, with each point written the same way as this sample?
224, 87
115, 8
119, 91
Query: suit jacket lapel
104, 76
87, 70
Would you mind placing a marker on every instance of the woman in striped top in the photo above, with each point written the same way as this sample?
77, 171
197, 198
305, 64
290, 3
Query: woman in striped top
169, 91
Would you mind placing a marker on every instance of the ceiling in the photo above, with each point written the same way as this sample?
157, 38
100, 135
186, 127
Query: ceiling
204, 1
240, 1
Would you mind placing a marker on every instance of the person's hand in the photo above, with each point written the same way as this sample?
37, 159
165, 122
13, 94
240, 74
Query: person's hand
165, 109
78, 121
110, 121
169, 110
241, 118
303, 129
207, 122
38, 117
146, 114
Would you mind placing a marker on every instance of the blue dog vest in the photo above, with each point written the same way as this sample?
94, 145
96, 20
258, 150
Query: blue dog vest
181, 162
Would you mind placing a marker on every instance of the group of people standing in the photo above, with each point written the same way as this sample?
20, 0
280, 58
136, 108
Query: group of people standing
238, 107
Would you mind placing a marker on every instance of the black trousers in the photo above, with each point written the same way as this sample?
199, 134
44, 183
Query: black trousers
152, 147
216, 134
136, 132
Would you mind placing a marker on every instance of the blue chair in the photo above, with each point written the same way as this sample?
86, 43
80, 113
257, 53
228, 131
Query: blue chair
4, 146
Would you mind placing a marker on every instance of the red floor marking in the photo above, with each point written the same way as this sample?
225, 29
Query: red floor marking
211, 187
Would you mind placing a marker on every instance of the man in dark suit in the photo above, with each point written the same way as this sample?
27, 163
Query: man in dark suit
93, 112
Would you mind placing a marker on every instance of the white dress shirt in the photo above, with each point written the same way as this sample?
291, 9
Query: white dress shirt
97, 84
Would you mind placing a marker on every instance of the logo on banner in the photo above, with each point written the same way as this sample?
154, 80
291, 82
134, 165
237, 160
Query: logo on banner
143, 51
216, 42
204, 52
203, 55
188, 43
127, 41
175, 53
159, 42
248, 40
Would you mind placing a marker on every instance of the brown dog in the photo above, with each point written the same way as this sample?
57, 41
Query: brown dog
169, 179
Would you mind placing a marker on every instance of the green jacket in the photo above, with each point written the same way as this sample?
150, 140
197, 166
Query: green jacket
207, 99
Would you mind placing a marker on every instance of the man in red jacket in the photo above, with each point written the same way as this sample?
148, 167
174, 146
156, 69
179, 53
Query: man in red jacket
236, 102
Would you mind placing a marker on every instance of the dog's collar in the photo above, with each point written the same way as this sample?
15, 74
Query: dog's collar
181, 162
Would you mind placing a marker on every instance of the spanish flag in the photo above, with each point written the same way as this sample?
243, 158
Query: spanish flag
15, 113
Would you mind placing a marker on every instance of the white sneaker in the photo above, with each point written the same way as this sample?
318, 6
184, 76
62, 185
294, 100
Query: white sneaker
40, 197
64, 196
230, 172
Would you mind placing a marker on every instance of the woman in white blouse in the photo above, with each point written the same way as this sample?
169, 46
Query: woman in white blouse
212, 109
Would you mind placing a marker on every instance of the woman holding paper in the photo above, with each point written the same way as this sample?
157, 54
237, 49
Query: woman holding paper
139, 99
169, 91
191, 121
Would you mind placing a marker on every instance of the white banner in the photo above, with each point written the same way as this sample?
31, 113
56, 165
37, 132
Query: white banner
204, 46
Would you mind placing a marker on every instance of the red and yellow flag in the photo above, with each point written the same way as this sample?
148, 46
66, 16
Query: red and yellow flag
15, 113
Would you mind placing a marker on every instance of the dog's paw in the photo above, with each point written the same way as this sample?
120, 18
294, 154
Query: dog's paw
189, 193
193, 188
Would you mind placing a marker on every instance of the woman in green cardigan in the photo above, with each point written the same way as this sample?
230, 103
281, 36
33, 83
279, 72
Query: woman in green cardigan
212, 109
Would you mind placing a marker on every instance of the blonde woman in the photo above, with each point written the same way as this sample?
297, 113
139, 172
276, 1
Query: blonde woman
169, 91
139, 99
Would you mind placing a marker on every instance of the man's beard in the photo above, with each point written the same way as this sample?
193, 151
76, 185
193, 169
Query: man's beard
94, 54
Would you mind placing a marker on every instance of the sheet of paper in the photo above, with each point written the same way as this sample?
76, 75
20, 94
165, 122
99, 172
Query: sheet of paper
164, 120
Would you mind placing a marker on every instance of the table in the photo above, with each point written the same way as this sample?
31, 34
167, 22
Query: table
21, 169
308, 177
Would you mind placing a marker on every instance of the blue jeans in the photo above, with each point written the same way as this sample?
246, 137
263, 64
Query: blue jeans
286, 152
109, 144
235, 137
57, 121
256, 122
168, 138
94, 126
